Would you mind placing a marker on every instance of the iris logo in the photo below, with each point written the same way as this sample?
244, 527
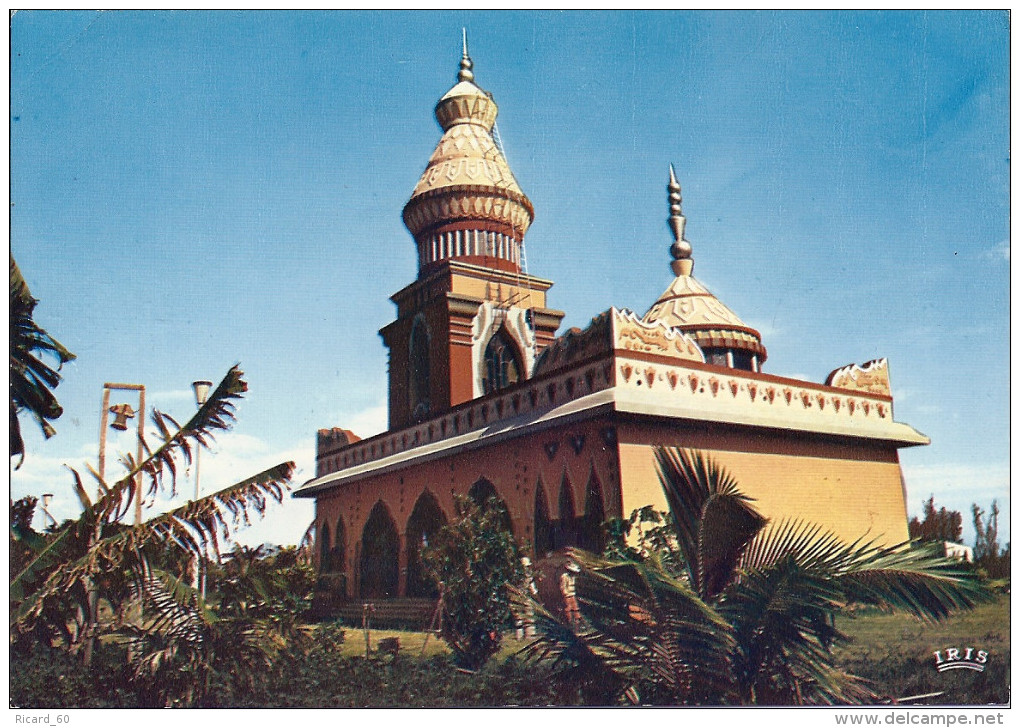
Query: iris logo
960, 658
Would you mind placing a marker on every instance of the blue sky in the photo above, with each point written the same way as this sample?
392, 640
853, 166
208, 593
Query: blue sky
195, 189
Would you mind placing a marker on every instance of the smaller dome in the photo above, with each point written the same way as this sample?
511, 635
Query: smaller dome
689, 307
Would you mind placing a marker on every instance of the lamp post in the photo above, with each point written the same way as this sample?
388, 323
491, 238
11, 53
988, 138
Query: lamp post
201, 388
46, 499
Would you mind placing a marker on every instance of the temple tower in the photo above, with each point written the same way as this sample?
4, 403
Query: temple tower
474, 321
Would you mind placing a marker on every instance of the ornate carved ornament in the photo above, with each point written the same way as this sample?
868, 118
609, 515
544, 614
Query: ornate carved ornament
632, 334
871, 377
468, 202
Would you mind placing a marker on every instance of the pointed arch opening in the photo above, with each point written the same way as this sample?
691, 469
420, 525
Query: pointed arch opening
566, 526
423, 525
380, 548
543, 526
324, 549
503, 363
484, 493
591, 535
338, 554
418, 373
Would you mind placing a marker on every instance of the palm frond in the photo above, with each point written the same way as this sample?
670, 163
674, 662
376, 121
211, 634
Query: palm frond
714, 521
217, 414
795, 577
780, 614
639, 624
30, 378
914, 577
193, 527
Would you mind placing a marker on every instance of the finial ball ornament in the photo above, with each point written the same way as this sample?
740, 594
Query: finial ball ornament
680, 249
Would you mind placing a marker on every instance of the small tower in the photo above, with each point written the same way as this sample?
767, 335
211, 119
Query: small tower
690, 307
473, 322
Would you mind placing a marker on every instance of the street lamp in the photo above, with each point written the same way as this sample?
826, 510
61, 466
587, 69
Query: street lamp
201, 388
46, 499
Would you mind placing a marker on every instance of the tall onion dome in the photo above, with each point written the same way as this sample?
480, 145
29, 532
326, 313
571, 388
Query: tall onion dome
467, 204
690, 307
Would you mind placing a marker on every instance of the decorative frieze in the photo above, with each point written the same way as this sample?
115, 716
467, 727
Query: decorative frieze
871, 377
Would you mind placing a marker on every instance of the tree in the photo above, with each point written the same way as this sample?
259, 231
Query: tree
56, 594
31, 379
937, 525
987, 555
986, 543
751, 619
474, 559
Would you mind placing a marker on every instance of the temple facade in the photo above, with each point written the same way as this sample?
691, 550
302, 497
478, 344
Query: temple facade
485, 400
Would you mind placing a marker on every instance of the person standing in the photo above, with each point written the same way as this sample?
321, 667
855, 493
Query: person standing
568, 586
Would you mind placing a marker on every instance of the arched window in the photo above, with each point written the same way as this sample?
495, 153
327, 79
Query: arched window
502, 362
590, 534
338, 557
418, 371
566, 527
483, 493
543, 525
324, 556
380, 548
423, 525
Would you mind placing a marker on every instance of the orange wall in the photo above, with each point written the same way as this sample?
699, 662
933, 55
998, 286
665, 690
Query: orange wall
513, 467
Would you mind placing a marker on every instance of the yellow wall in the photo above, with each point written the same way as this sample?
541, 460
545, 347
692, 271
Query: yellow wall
852, 489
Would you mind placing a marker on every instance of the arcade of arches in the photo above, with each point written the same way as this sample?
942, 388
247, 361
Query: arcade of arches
384, 559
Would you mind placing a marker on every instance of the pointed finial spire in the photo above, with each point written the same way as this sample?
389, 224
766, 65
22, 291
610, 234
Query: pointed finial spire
682, 264
465, 73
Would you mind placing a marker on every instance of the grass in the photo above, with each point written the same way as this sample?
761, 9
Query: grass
411, 643
893, 651
896, 652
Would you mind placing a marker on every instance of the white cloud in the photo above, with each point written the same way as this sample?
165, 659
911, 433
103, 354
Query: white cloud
367, 422
999, 251
769, 331
233, 457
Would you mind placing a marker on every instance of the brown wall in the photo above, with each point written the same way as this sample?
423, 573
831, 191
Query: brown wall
852, 488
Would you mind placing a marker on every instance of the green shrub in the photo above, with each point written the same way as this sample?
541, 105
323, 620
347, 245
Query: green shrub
474, 559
